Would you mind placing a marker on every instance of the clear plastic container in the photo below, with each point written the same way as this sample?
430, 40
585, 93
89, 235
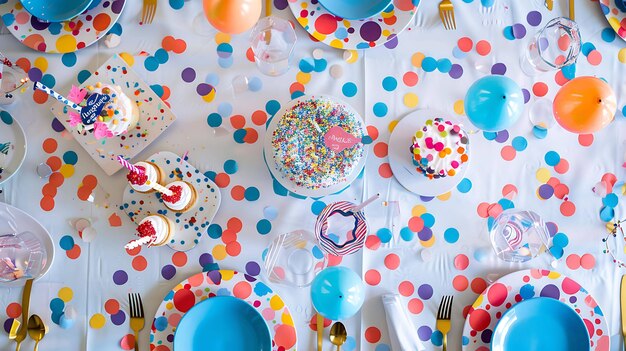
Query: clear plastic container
556, 45
294, 259
519, 236
272, 40
22, 255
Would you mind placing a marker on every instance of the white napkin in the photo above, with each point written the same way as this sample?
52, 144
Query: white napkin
401, 331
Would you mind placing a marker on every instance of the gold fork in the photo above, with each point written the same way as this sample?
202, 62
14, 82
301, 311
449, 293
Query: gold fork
443, 318
137, 320
446, 12
148, 12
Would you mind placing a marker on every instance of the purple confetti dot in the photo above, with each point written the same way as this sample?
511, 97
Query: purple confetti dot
519, 31
203, 89
57, 126
253, 268
543, 43
456, 71
546, 191
552, 228
205, 259
120, 277
370, 31
573, 299
425, 234
215, 276
502, 136
119, 318
392, 43
550, 290
35, 74
425, 291
38, 24
170, 338
117, 6
188, 75
7, 325
168, 272
526, 94
426, 198
498, 68
485, 336
424, 332
534, 18
281, 4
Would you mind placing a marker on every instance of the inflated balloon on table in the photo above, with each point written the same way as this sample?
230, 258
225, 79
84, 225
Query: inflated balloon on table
337, 293
494, 103
232, 16
585, 105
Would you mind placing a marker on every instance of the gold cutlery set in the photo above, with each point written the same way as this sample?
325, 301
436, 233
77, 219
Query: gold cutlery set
32, 326
338, 333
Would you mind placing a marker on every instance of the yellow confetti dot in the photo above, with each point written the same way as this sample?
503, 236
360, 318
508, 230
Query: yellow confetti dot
303, 78
287, 320
543, 175
410, 100
445, 197
210, 96
336, 43
67, 170
350, 56
478, 301
319, 36
222, 38
227, 275
392, 125
169, 305
66, 294
386, 33
41, 63
66, 43
418, 210
276, 303
417, 58
459, 107
428, 243
304, 21
621, 55
97, 321
554, 275
219, 252
128, 58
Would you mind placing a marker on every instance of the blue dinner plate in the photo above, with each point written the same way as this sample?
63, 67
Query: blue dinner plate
222, 323
55, 10
355, 9
540, 324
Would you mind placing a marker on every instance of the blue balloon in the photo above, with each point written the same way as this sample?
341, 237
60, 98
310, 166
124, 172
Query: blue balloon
494, 103
337, 293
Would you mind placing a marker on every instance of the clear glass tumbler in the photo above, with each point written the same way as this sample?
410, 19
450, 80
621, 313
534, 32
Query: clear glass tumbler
555, 46
519, 236
22, 255
294, 259
272, 40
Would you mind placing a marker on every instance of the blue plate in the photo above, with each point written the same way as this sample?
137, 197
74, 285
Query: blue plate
540, 324
355, 9
55, 10
222, 323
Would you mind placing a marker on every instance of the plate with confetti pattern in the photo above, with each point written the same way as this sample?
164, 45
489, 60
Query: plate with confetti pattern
61, 37
205, 285
12, 146
615, 13
484, 314
192, 225
154, 116
299, 142
353, 34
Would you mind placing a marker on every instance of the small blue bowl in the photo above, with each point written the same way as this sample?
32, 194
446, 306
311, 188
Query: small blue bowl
355, 9
55, 10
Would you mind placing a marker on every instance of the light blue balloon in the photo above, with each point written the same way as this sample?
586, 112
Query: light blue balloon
337, 293
494, 103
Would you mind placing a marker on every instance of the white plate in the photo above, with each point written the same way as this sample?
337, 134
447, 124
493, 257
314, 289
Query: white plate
139, 205
24, 222
11, 132
402, 164
154, 116
289, 184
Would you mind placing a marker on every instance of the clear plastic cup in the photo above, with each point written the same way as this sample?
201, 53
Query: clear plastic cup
555, 46
519, 236
22, 255
294, 259
272, 40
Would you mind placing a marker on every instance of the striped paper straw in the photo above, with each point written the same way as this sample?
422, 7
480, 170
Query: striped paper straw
131, 167
160, 188
54, 94
138, 242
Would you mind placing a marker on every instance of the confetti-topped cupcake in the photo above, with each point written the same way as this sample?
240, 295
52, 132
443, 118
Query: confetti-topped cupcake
119, 113
183, 197
154, 230
439, 148
150, 173
317, 143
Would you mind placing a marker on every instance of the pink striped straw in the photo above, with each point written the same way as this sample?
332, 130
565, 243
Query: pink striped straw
131, 167
138, 242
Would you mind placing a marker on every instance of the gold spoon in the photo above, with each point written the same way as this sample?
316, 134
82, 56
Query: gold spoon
338, 335
36, 329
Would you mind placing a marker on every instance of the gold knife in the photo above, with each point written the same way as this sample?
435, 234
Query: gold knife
571, 10
320, 331
549, 4
623, 307
22, 332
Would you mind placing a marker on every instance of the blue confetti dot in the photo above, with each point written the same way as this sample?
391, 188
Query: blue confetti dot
349, 89
320, 65
569, 71
239, 135
215, 231
540, 132
57, 305
264, 226
380, 109
69, 59
255, 84
116, 29
607, 214
464, 186
608, 34
161, 55
317, 207
66, 242
406, 234
231, 167
451, 235
160, 323
508, 33
270, 213
158, 89
390, 83
557, 252
307, 65
429, 64
151, 63
560, 240
587, 48
70, 157
429, 219
611, 200
444, 65
6, 117
48, 80
83, 76
214, 120
490, 135
272, 106
552, 158
519, 143
251, 194
384, 234
367, 140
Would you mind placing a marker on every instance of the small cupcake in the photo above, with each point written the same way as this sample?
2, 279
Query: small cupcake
151, 172
154, 230
183, 197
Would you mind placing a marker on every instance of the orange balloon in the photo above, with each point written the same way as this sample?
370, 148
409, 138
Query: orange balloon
585, 105
232, 16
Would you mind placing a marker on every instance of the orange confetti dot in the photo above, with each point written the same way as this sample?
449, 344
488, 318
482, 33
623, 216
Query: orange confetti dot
508, 153
509, 191
55, 163
101, 22
553, 182
540, 89
74, 252
128, 343
594, 57
234, 224
410, 79
40, 97
372, 132
392, 261
134, 251
49, 190
381, 149
259, 117
168, 43
222, 180
14, 310
250, 55
372, 277
585, 139
50, 145
460, 283
483, 48
24, 64
115, 220
238, 192
416, 224
372, 335
90, 181
406, 288
83, 193
238, 121
251, 136
561, 190
179, 259
228, 236
111, 306
385, 170
587, 261
139, 263
562, 167
573, 261
416, 306
465, 44
296, 86
179, 46
478, 285
47, 203
568, 208
233, 248
166, 92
